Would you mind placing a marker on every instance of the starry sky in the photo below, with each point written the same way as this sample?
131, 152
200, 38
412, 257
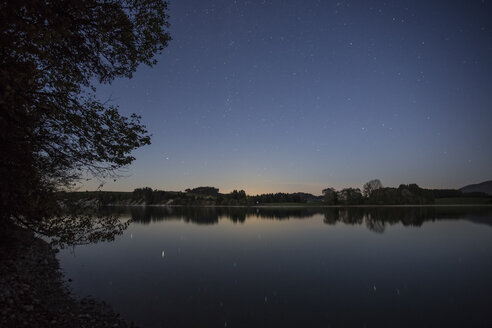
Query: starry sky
286, 96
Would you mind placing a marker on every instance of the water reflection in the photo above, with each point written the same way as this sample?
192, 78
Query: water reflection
293, 267
83, 227
375, 219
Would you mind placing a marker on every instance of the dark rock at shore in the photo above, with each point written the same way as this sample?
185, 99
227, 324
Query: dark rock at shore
32, 292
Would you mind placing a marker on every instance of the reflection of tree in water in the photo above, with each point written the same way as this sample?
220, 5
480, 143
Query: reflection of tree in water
80, 225
376, 219
203, 215
211, 215
374, 225
285, 213
235, 214
198, 215
353, 216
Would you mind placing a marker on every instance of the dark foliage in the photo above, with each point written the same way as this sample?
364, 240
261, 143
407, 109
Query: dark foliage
350, 196
53, 130
454, 193
446, 193
330, 196
205, 191
375, 194
370, 186
403, 195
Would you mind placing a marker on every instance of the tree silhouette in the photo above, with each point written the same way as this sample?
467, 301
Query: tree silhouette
330, 196
53, 130
370, 186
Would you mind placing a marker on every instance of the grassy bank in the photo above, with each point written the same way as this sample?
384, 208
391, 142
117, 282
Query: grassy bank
463, 201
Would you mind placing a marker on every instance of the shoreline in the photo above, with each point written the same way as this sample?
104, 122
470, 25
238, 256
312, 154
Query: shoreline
33, 292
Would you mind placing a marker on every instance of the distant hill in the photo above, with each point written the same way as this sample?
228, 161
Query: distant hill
485, 187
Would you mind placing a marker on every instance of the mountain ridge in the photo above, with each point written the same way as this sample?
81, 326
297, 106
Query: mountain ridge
485, 187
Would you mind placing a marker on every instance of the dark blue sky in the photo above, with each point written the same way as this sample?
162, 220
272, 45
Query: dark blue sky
301, 95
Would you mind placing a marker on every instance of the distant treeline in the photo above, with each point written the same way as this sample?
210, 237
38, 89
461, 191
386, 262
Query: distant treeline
372, 193
201, 196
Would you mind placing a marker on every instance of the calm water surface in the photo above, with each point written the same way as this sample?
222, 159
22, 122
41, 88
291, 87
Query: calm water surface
298, 267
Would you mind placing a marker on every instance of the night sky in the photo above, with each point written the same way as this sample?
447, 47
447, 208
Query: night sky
285, 96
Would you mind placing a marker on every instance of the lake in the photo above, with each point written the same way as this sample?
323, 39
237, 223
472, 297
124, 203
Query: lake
293, 267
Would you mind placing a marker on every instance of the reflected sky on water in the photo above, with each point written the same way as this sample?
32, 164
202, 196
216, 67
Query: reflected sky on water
292, 267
